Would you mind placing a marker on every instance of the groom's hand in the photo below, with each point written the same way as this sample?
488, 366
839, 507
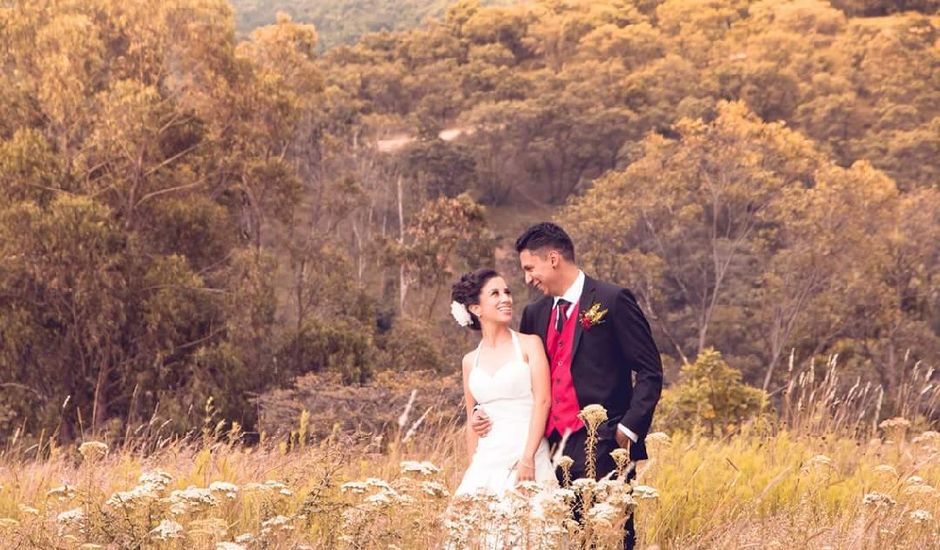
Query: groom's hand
480, 423
622, 440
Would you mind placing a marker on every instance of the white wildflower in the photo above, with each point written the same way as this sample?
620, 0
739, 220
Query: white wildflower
645, 492
434, 489
878, 500
355, 487
229, 490
168, 529
528, 488
915, 480
228, 546
929, 436
379, 498
29, 510
424, 468
602, 513
63, 492
622, 499
245, 538
193, 496
278, 487
269, 485
583, 483
129, 499
73, 516
277, 523
376, 482
898, 423
157, 480
402, 499
593, 414
563, 494
91, 450
608, 485
921, 516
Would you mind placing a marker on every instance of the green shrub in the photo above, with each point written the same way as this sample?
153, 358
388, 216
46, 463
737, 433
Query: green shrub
709, 395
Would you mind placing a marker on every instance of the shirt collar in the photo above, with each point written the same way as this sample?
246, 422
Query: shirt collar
573, 294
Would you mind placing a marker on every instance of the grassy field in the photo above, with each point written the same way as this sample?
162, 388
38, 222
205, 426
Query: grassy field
749, 490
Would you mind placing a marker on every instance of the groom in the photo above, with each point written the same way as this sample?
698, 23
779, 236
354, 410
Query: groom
597, 341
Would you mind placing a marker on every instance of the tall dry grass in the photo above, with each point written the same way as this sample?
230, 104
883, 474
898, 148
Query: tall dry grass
749, 490
831, 472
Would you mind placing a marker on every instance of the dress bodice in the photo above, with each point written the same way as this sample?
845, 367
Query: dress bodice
507, 392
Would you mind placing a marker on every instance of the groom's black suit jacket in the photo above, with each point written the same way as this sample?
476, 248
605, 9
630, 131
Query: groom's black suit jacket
606, 355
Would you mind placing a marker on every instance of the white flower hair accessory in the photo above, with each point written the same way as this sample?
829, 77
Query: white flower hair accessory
460, 313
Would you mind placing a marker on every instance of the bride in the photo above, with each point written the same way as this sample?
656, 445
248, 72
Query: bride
507, 375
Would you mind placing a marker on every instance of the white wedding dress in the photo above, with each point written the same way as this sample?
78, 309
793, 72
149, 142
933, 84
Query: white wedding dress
506, 397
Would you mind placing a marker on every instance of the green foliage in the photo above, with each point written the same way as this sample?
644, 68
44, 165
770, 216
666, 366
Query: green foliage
738, 234
441, 169
148, 155
332, 345
709, 394
885, 7
342, 21
446, 238
411, 345
185, 214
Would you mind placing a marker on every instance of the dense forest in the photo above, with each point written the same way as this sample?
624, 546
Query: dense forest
187, 215
342, 21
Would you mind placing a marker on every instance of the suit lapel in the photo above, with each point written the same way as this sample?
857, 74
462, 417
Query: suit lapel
587, 298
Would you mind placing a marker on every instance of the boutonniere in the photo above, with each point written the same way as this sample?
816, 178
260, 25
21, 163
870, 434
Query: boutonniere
593, 316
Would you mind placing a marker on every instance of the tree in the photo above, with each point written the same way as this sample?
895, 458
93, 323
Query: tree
445, 238
703, 207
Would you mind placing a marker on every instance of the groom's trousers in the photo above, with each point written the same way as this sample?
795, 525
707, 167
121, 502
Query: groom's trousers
574, 448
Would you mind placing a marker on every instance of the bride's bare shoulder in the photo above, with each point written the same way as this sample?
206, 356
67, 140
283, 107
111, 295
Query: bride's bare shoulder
467, 360
530, 339
531, 343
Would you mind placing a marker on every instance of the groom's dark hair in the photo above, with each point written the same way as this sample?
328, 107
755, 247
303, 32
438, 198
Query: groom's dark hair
546, 235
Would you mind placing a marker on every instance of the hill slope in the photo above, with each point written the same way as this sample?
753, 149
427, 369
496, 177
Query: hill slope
341, 21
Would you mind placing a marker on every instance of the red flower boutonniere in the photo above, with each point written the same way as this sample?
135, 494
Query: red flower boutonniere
593, 316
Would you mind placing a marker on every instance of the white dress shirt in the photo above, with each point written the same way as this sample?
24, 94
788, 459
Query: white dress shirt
573, 295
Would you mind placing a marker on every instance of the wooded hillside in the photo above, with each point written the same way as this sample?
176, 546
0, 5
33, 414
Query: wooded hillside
186, 215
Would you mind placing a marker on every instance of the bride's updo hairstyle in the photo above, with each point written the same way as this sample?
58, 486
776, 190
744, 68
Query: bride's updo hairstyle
467, 290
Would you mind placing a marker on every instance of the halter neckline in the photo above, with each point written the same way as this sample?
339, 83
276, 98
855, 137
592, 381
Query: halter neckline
515, 344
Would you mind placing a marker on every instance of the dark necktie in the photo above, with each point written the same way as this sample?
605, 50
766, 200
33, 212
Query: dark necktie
562, 314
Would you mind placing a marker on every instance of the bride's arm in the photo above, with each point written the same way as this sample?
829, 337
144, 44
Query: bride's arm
470, 402
541, 394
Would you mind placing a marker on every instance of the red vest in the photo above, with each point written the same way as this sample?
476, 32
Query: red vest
563, 414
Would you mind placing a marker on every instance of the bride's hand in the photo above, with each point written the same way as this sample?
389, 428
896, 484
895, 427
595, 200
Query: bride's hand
480, 422
525, 470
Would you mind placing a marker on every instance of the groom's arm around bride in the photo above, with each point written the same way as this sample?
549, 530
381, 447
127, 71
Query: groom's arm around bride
599, 345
